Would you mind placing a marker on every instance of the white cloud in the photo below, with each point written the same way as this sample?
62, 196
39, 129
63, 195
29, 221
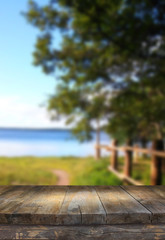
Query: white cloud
15, 112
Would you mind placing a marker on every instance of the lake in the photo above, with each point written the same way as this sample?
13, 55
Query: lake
45, 142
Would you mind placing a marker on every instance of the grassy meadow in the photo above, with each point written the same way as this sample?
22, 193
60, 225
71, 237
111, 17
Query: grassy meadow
38, 170
141, 169
81, 171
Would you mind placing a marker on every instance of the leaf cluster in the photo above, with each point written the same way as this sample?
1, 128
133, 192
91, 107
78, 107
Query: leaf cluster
111, 62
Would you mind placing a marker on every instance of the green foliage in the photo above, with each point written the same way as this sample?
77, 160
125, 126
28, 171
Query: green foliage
139, 110
111, 60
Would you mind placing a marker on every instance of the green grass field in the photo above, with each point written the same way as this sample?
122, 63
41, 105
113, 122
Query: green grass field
141, 170
81, 171
35, 170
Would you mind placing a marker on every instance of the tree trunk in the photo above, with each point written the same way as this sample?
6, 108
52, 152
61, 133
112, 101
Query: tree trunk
98, 150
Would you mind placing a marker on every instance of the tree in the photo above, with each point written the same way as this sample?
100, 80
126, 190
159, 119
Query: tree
139, 111
82, 105
116, 45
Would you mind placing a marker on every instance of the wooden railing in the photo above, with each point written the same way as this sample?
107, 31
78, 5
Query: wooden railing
157, 162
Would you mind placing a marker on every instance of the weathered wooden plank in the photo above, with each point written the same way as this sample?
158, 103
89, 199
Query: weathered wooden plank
8, 191
102, 232
85, 205
41, 208
121, 207
134, 149
4, 188
159, 189
150, 199
82, 206
124, 178
41, 205
11, 199
32, 205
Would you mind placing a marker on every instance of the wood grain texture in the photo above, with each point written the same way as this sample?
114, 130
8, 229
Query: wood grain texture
150, 198
10, 199
31, 204
121, 207
82, 205
4, 188
43, 207
102, 232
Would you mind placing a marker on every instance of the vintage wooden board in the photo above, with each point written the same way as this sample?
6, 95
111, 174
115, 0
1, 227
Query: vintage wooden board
121, 207
152, 198
31, 204
82, 205
100, 232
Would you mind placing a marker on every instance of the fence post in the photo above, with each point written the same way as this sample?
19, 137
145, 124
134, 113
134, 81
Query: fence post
128, 161
156, 163
114, 155
136, 154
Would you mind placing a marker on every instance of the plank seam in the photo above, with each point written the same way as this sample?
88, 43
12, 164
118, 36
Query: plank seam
101, 203
139, 202
158, 195
80, 213
63, 199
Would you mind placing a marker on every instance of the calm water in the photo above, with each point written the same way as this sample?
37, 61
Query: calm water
17, 142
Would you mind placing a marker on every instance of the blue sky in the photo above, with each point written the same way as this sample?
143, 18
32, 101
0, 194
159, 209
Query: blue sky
23, 87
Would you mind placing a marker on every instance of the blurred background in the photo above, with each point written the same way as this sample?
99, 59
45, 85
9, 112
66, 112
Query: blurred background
82, 92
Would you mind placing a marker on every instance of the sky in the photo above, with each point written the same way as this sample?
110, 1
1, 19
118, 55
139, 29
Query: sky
23, 87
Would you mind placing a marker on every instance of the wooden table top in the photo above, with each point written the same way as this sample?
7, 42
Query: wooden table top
82, 205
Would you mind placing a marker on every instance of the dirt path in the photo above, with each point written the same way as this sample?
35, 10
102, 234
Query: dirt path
62, 177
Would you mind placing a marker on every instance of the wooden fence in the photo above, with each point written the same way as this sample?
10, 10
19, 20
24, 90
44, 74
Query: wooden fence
157, 161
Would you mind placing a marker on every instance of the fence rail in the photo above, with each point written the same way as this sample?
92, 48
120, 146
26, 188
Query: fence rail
157, 161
